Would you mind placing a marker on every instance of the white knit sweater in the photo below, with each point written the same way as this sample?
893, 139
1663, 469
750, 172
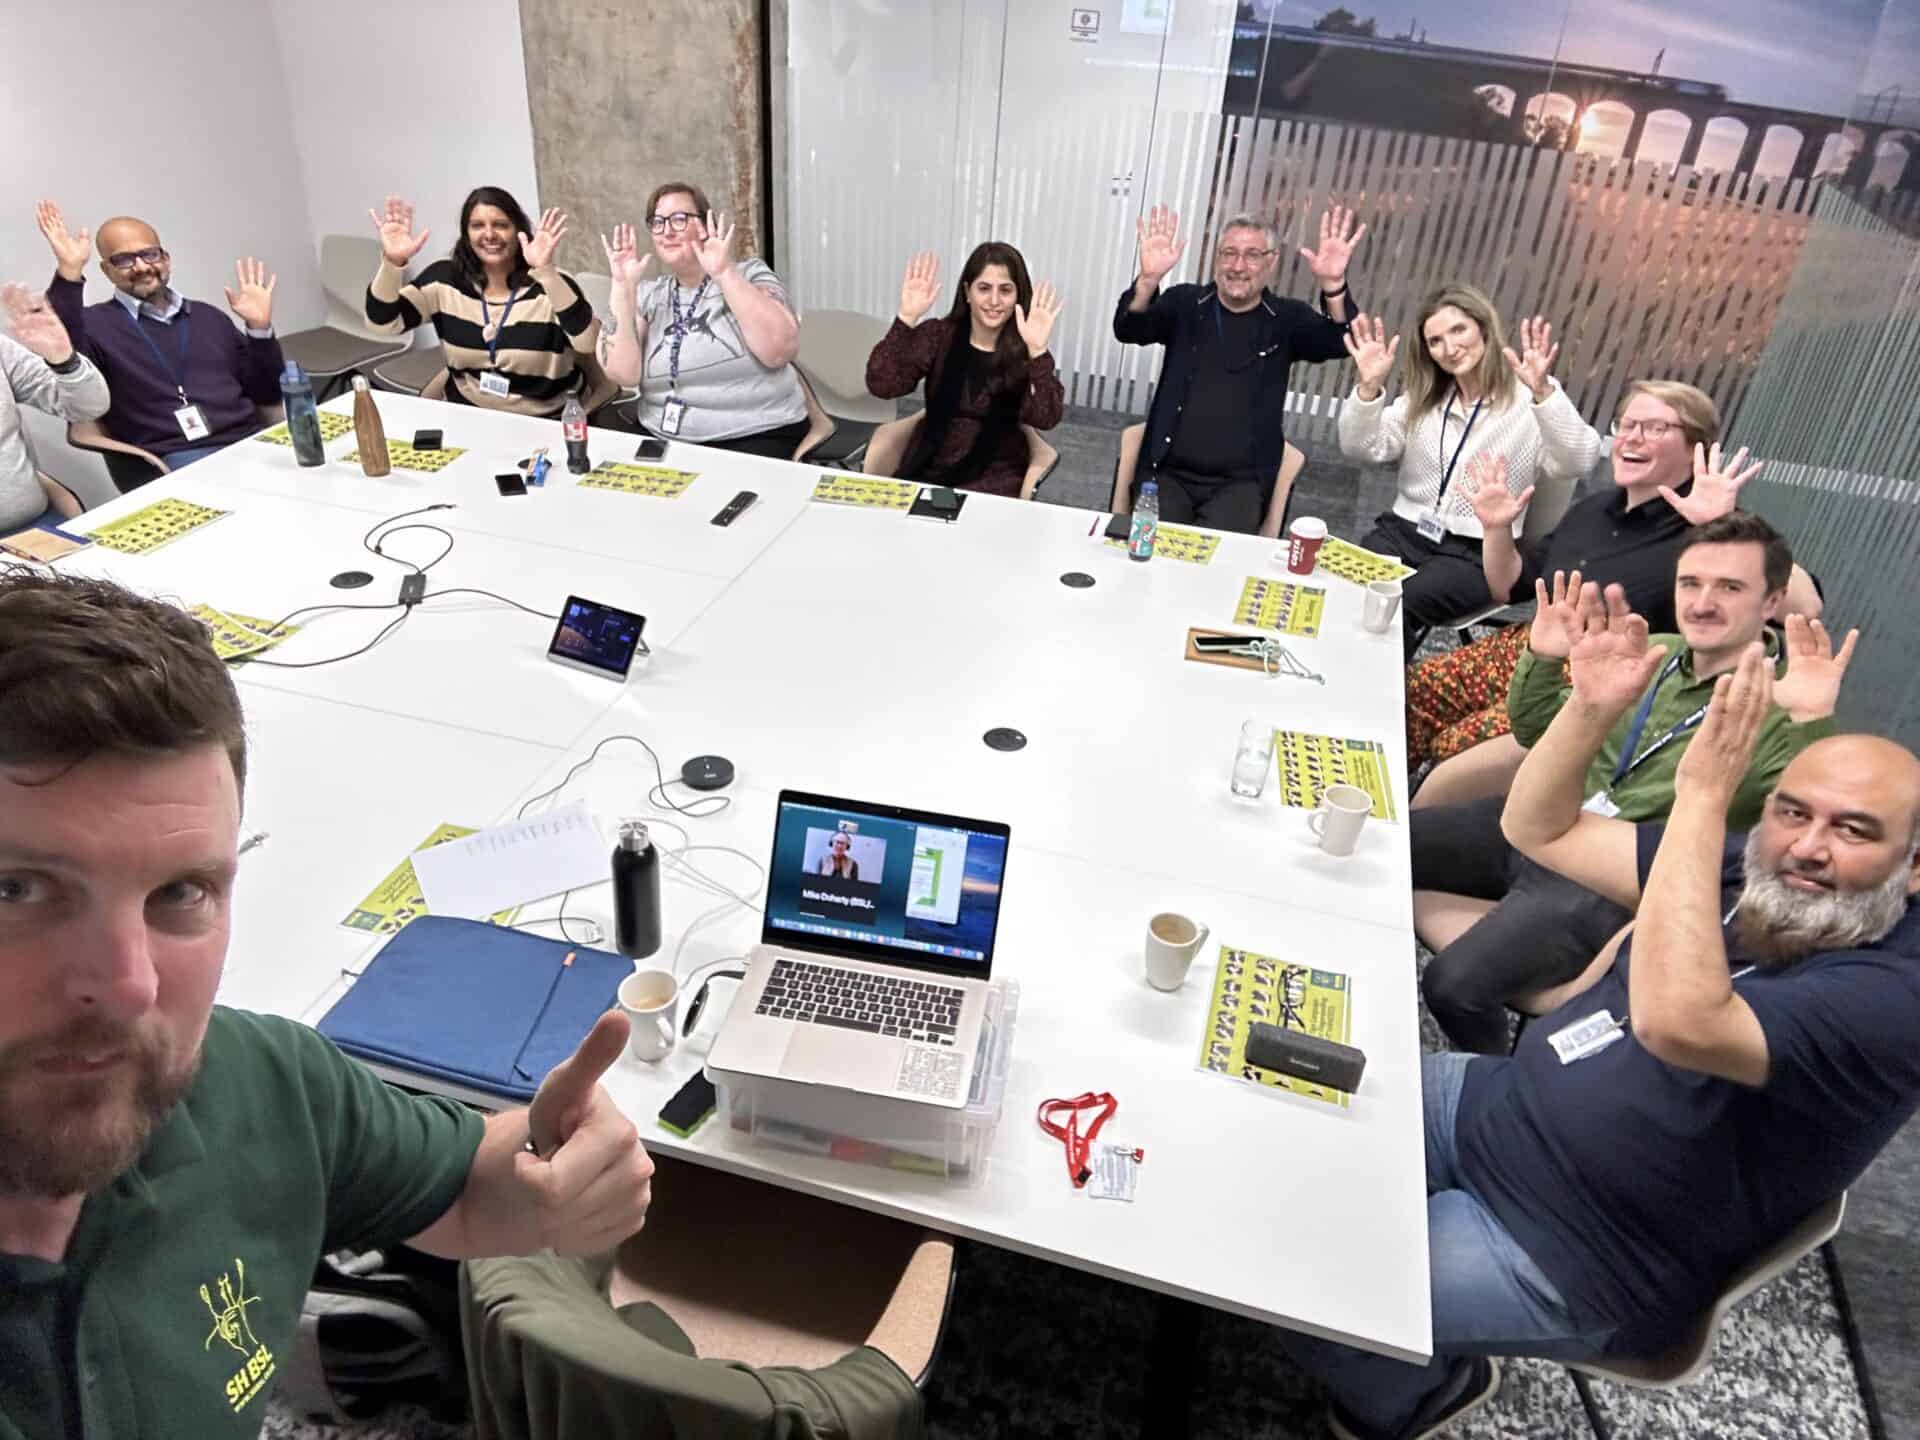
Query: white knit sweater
1549, 439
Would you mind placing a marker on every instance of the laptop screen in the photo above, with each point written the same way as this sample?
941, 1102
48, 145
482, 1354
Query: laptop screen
881, 882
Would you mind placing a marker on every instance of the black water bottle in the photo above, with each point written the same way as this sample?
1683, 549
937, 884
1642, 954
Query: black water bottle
636, 892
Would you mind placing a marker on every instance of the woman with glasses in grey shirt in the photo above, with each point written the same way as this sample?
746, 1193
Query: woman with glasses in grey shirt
709, 340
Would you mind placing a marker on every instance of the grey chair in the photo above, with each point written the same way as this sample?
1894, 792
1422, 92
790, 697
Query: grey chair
1685, 1360
834, 345
334, 352
128, 466
412, 372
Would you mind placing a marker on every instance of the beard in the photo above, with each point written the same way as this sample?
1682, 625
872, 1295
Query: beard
64, 1135
1777, 925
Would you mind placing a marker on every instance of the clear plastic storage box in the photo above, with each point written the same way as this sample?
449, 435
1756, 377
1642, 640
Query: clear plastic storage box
877, 1130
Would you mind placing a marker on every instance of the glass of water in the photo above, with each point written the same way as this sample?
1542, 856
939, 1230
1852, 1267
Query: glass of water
1252, 759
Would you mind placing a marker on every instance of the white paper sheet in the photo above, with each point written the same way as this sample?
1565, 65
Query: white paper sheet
511, 864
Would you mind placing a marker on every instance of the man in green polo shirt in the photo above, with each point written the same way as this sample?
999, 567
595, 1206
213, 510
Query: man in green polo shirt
1502, 927
170, 1170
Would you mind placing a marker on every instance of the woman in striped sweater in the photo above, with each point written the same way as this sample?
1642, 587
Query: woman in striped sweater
1465, 393
511, 324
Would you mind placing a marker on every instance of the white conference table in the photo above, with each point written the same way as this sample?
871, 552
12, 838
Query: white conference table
863, 653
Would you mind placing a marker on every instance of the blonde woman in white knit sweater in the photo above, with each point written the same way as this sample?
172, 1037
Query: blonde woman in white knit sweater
1465, 392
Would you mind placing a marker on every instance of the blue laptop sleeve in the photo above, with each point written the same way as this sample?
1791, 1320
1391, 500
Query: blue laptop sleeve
476, 1004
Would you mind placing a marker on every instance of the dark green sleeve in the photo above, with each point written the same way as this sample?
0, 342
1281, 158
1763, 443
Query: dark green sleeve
395, 1162
1535, 696
1781, 738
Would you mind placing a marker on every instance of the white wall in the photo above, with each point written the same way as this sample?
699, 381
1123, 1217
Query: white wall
425, 100
177, 114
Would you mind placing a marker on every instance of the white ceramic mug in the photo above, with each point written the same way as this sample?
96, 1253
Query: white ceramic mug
1342, 811
1172, 942
1380, 604
648, 998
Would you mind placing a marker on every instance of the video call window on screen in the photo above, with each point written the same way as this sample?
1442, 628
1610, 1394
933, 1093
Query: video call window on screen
887, 881
600, 638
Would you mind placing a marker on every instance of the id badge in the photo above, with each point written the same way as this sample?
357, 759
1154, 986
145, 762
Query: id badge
671, 415
192, 423
1601, 803
1587, 1037
1432, 528
493, 383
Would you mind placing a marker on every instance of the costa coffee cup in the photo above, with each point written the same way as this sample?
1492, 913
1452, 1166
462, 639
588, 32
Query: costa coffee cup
1305, 536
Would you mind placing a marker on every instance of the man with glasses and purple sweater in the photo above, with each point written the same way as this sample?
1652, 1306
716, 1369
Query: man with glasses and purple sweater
185, 383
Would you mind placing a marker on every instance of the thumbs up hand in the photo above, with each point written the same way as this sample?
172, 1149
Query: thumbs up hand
591, 1181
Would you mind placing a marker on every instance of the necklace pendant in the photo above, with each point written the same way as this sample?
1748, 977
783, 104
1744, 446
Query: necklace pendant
489, 330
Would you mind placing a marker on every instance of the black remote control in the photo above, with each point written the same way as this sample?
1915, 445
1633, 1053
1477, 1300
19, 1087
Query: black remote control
735, 508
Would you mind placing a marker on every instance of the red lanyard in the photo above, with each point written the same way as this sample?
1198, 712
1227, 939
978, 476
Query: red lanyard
1079, 1146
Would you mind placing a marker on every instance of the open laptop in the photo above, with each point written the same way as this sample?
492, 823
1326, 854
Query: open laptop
874, 956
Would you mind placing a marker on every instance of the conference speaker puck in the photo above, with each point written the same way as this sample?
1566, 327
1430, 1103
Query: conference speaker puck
350, 580
1004, 737
707, 772
1077, 580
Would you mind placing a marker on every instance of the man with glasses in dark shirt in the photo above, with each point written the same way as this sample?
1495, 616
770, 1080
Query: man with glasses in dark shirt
185, 383
1214, 439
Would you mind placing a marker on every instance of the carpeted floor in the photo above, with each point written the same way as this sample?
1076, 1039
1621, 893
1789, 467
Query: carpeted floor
1035, 1350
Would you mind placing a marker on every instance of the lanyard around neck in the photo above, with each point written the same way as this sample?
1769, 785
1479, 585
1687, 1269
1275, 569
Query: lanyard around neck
489, 331
175, 367
1629, 762
1446, 465
681, 325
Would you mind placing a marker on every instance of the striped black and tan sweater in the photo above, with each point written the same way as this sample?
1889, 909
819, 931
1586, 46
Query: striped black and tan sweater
549, 326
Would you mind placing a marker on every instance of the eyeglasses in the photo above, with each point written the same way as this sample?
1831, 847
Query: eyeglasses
675, 222
127, 259
1252, 257
1651, 429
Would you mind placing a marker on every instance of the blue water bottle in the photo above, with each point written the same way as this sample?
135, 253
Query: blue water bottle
1146, 522
303, 416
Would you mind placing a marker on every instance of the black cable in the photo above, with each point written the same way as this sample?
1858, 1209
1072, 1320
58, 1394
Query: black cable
469, 590
391, 626
387, 535
371, 546
664, 801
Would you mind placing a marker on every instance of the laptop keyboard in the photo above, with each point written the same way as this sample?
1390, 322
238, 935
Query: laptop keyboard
861, 1000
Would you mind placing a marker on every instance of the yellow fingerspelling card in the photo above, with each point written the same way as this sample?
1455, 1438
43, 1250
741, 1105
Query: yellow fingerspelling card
235, 635
1310, 763
1249, 988
332, 427
396, 901
1170, 542
158, 524
868, 491
654, 480
1276, 605
404, 457
1350, 562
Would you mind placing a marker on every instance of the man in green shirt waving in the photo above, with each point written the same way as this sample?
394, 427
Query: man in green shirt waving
1502, 927
170, 1170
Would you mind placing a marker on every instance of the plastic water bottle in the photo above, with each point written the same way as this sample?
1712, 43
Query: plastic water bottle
1146, 522
573, 423
303, 415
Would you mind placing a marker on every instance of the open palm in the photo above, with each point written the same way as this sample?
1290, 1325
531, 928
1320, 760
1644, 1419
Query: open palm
394, 222
1372, 350
1611, 663
625, 264
1485, 486
1811, 687
919, 287
1716, 485
1036, 325
1160, 244
32, 322
1338, 238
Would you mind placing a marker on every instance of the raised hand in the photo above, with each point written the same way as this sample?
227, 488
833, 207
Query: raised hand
1534, 363
538, 249
1611, 663
1160, 244
32, 322
625, 263
713, 244
394, 222
1036, 325
1372, 350
1485, 486
1811, 687
1338, 240
1716, 486
70, 252
1557, 621
1720, 753
919, 287
254, 302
